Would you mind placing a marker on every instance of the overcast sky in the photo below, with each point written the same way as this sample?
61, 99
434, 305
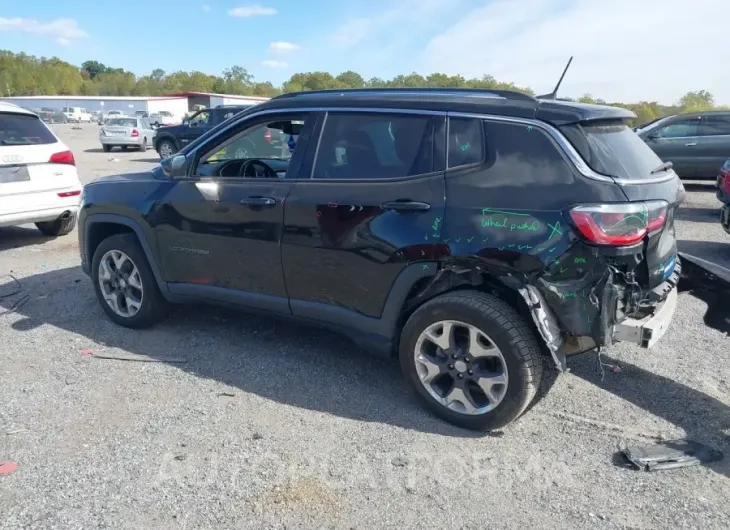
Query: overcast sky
625, 50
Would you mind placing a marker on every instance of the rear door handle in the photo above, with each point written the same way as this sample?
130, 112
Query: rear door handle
259, 201
405, 206
691, 144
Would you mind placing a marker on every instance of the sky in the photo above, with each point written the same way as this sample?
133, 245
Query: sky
624, 50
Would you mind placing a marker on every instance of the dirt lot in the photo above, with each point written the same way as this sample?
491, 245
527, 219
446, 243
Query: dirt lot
267, 425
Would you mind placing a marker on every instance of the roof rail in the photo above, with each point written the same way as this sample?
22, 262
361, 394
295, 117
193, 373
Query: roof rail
476, 92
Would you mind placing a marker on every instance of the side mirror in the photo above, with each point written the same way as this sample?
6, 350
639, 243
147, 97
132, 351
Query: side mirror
174, 166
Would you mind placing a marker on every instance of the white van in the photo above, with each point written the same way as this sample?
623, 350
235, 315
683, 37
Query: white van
38, 178
77, 115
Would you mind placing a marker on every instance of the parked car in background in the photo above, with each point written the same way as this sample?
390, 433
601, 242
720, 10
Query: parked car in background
400, 219
38, 178
77, 115
171, 139
723, 183
696, 143
126, 132
57, 115
163, 118
142, 114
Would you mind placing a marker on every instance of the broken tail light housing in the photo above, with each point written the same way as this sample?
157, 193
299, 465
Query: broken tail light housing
619, 224
63, 157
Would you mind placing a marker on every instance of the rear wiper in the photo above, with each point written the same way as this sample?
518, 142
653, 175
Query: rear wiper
665, 166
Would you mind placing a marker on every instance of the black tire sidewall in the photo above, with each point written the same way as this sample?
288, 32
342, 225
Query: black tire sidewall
151, 297
518, 394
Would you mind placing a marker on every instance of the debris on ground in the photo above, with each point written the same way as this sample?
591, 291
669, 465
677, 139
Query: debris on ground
87, 352
16, 431
180, 458
399, 461
8, 467
257, 436
17, 289
226, 394
113, 159
671, 455
139, 358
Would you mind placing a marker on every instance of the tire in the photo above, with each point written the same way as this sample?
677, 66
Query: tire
153, 307
59, 227
504, 328
106, 148
143, 147
123, 147
162, 144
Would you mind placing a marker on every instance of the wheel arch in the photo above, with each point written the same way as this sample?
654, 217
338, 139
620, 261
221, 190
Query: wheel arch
99, 227
469, 274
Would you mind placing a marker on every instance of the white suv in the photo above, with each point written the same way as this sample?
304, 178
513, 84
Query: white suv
38, 178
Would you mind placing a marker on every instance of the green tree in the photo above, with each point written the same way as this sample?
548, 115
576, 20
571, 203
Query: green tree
696, 101
93, 68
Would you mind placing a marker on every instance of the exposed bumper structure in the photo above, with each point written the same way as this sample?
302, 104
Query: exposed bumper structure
648, 330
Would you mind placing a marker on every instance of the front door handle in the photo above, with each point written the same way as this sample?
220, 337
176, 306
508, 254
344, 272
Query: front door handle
259, 201
405, 206
691, 144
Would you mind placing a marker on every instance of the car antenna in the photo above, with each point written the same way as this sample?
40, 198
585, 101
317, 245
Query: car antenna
554, 93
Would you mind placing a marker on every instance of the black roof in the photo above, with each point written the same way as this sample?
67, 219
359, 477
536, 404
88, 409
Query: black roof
499, 102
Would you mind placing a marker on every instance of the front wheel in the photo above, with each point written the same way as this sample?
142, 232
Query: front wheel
471, 359
124, 283
165, 148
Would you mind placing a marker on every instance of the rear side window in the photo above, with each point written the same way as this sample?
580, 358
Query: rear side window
717, 125
363, 146
679, 129
612, 149
519, 154
19, 129
466, 142
123, 122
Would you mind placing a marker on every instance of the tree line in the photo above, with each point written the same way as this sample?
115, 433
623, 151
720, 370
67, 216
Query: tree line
24, 75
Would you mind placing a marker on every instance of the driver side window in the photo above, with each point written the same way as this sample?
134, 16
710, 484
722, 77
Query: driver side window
680, 129
272, 142
200, 120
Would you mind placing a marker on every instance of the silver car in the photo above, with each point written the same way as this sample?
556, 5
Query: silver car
127, 132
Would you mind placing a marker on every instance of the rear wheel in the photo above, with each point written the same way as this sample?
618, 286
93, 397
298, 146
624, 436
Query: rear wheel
59, 227
143, 147
124, 283
106, 148
471, 359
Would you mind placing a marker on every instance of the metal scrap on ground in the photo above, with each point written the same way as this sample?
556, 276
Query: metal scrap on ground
139, 358
671, 455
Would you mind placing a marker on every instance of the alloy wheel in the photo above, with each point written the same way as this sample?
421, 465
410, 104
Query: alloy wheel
120, 283
165, 150
461, 367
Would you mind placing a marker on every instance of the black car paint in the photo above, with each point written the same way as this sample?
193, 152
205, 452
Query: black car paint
333, 255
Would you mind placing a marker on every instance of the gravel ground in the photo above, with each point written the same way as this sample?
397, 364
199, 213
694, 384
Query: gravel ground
267, 425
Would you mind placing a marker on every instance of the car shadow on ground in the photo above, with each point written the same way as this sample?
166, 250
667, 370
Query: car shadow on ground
703, 418
94, 150
19, 237
278, 360
699, 215
700, 186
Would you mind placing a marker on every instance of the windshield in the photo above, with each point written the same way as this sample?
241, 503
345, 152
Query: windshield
612, 149
17, 129
123, 122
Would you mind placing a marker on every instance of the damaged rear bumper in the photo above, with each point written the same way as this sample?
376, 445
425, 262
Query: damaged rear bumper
647, 331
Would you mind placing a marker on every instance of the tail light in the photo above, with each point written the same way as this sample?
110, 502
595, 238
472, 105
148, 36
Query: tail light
64, 194
267, 136
135, 133
725, 180
63, 157
619, 224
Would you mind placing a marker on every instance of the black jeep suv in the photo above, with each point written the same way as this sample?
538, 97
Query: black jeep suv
468, 232
171, 139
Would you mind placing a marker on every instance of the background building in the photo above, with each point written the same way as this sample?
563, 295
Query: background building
177, 105
210, 100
